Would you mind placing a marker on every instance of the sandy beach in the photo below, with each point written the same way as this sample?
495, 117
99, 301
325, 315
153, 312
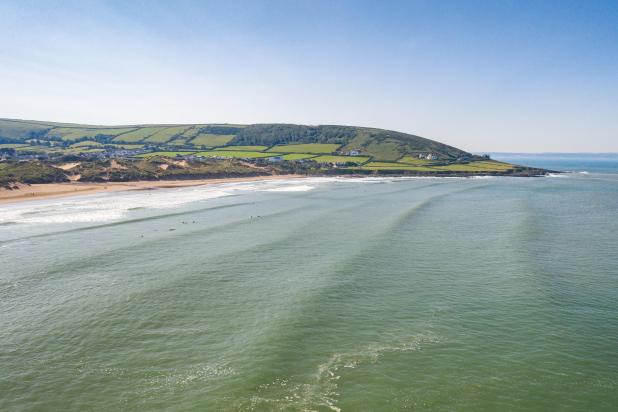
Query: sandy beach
54, 190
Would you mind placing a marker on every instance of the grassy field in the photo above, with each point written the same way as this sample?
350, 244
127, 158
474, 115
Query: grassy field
479, 166
207, 139
92, 143
87, 143
341, 159
377, 144
163, 154
40, 149
395, 166
179, 141
381, 149
298, 156
385, 149
244, 148
19, 130
126, 146
79, 150
234, 153
193, 131
491, 164
72, 133
165, 135
137, 135
414, 160
12, 145
312, 148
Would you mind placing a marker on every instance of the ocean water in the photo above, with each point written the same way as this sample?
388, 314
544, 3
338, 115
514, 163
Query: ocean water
319, 294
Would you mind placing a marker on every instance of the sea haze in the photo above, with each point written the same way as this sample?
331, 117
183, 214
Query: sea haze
373, 294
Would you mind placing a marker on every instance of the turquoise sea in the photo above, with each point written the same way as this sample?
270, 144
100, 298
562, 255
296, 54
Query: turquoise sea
318, 294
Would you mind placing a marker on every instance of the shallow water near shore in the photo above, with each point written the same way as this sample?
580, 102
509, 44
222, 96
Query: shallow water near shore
315, 294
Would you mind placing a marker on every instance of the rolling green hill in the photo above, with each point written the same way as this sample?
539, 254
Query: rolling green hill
194, 149
376, 144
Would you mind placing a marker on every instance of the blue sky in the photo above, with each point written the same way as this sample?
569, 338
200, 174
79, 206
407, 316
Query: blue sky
483, 76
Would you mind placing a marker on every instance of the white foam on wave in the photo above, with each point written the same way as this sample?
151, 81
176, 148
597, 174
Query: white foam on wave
107, 207
102, 207
299, 188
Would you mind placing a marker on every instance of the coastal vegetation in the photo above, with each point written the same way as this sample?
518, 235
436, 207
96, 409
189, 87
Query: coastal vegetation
212, 149
154, 168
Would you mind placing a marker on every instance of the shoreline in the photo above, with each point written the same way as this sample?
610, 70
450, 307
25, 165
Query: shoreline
39, 191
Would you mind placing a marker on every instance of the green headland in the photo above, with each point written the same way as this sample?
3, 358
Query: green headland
41, 152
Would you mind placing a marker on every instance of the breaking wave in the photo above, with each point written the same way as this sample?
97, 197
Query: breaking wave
114, 206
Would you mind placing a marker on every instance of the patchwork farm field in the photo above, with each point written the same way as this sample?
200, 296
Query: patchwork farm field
395, 166
414, 160
492, 164
477, 166
137, 135
235, 153
341, 159
165, 135
379, 150
163, 154
71, 133
207, 139
244, 148
298, 156
87, 143
480, 166
312, 148
13, 145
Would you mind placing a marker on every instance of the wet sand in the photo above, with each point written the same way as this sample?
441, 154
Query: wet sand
53, 190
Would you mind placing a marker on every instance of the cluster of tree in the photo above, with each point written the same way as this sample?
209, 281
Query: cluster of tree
272, 134
222, 130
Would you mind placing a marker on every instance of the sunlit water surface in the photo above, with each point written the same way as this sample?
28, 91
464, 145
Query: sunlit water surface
315, 294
